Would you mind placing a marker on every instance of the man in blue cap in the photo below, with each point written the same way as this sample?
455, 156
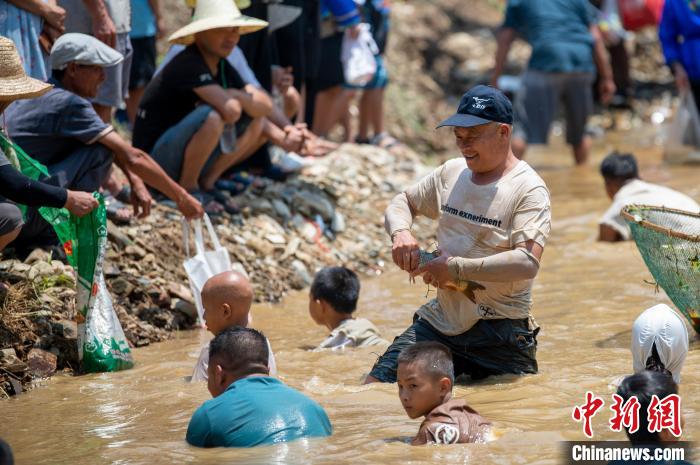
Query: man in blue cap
493, 215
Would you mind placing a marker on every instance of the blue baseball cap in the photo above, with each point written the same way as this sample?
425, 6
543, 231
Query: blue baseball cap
481, 105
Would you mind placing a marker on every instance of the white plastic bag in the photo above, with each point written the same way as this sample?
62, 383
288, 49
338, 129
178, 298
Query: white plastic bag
205, 263
357, 55
683, 137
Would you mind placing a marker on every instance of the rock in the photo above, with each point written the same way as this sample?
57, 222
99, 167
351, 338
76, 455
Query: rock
301, 273
338, 223
66, 329
292, 247
309, 204
37, 255
39, 270
121, 286
115, 235
181, 292
135, 251
41, 363
281, 209
21, 268
10, 362
277, 239
187, 308
111, 271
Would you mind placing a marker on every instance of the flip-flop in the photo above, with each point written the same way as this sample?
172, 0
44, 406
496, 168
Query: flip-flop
385, 141
225, 201
210, 205
229, 185
115, 209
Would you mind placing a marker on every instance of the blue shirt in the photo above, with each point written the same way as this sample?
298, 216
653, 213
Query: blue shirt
54, 125
143, 21
679, 32
557, 30
255, 411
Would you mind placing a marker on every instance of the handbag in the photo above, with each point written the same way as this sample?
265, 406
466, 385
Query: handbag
358, 56
205, 263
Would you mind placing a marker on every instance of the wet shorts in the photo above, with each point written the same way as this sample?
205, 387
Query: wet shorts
537, 105
10, 218
490, 347
169, 149
115, 88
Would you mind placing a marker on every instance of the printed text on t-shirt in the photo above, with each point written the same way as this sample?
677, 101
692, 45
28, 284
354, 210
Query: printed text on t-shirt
470, 216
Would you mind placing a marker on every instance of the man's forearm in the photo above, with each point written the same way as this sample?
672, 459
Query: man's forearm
600, 55
254, 104
508, 266
398, 215
504, 40
37, 7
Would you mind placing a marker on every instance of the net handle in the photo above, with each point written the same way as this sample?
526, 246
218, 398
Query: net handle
655, 227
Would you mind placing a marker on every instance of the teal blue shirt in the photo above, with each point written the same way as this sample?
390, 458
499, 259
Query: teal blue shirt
255, 411
557, 30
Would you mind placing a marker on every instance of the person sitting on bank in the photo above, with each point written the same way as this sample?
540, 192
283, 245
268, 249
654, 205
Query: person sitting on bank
623, 186
62, 131
15, 186
332, 302
226, 298
493, 214
425, 380
249, 407
197, 117
659, 342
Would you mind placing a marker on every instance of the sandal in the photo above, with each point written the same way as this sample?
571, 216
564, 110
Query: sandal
226, 202
118, 212
385, 141
210, 205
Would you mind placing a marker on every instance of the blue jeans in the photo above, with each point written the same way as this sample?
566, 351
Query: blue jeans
490, 347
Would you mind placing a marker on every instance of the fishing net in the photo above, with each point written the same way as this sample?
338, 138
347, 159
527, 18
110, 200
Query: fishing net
669, 241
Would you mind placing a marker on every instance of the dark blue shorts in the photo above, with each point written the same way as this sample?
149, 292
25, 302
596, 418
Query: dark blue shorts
490, 347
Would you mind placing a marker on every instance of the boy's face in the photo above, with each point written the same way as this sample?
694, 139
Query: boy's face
419, 391
315, 310
220, 41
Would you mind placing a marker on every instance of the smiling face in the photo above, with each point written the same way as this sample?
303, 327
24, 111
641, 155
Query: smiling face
484, 147
220, 41
420, 392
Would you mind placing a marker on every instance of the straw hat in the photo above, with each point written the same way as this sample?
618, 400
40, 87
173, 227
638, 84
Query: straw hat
214, 14
14, 82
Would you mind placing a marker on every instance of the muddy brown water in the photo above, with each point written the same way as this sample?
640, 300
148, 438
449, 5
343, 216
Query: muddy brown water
586, 298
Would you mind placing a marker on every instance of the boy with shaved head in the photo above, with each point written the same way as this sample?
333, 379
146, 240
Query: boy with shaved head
226, 298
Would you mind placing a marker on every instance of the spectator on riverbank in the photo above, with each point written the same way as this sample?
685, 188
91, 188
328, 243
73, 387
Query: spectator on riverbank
62, 131
566, 51
198, 117
250, 408
679, 33
226, 298
623, 187
15, 187
491, 239
659, 342
332, 303
425, 379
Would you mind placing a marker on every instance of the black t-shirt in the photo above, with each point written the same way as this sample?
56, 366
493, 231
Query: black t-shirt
170, 95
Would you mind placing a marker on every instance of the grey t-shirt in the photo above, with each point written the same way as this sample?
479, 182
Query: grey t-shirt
78, 19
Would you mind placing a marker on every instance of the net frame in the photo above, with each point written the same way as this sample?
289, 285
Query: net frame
634, 215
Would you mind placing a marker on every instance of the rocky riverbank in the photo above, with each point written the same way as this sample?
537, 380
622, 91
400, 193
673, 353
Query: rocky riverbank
330, 214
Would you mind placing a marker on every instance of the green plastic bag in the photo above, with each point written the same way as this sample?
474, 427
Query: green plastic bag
102, 345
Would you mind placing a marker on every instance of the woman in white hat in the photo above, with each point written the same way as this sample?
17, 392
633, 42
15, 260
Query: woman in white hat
198, 117
16, 85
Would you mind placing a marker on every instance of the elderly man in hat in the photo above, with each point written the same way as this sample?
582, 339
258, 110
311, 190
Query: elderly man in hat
62, 130
198, 118
16, 85
493, 215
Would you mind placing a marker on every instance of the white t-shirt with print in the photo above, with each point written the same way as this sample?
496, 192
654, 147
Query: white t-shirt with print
644, 193
476, 221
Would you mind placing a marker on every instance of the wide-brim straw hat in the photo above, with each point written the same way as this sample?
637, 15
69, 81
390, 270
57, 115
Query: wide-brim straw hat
14, 82
215, 14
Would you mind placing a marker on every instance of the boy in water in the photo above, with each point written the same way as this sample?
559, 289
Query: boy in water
249, 407
226, 298
332, 301
644, 385
425, 378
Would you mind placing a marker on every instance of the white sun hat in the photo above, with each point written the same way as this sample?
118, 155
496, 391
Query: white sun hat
214, 14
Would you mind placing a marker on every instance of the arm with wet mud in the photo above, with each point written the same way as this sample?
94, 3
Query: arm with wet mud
419, 199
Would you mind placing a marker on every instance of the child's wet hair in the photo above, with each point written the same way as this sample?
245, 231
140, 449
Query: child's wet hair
619, 166
240, 350
644, 385
435, 358
338, 286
